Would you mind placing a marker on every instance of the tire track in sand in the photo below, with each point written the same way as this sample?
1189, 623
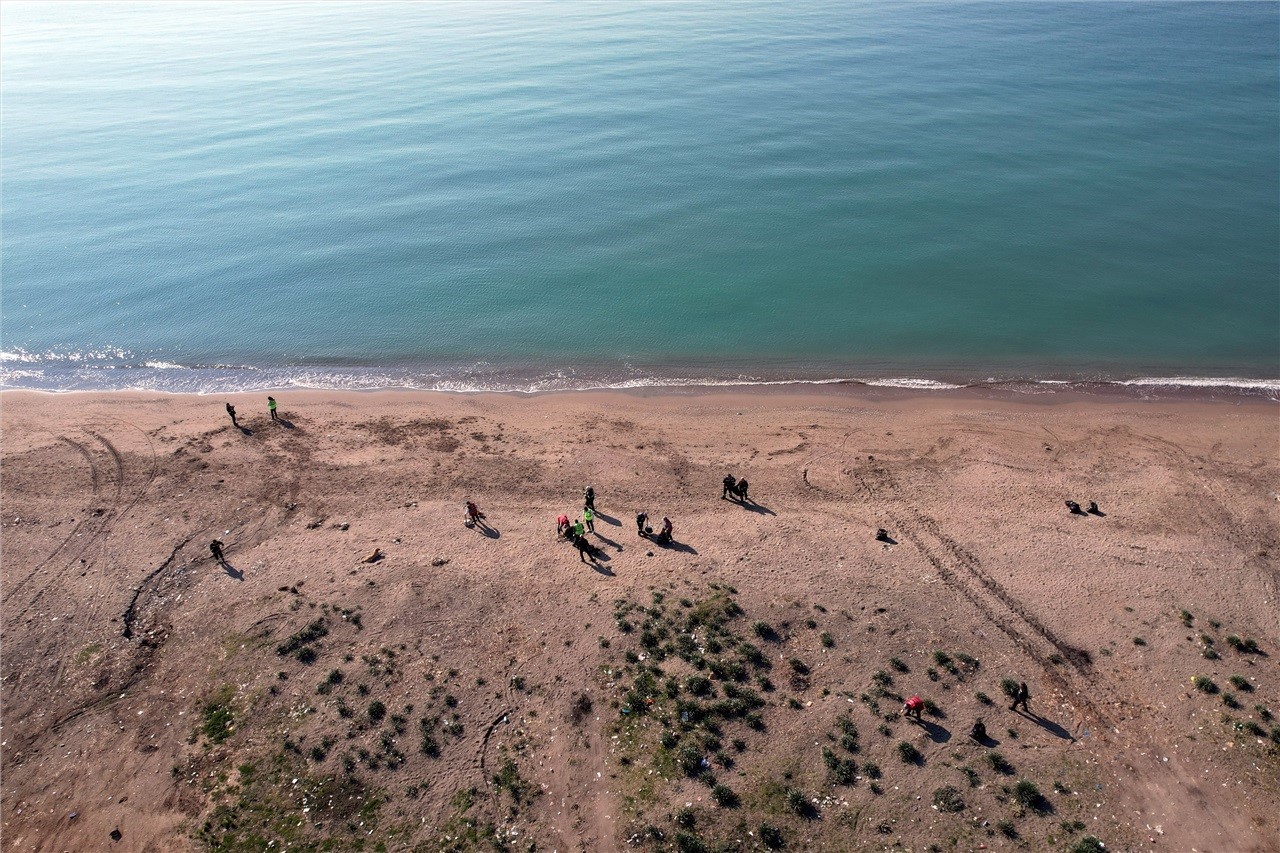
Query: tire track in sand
962, 571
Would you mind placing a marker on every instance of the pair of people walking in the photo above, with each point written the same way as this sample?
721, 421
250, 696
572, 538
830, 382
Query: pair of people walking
271, 408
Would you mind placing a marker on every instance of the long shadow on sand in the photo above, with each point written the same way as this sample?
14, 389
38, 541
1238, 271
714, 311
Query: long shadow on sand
488, 531
604, 570
232, 570
673, 545
1048, 725
607, 519
936, 733
606, 540
755, 507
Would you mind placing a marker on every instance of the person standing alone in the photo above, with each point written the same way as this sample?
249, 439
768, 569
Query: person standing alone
231, 410
271, 407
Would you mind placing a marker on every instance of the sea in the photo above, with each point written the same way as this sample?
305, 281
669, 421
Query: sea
530, 196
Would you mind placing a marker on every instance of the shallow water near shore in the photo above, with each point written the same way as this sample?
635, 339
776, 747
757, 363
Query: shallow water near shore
538, 197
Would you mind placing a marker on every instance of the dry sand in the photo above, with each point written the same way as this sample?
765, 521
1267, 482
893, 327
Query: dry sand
144, 691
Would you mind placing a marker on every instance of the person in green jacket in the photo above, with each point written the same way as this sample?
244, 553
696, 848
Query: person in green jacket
271, 407
590, 518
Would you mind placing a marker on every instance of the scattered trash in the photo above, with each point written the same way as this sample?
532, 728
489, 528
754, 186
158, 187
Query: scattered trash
439, 561
374, 557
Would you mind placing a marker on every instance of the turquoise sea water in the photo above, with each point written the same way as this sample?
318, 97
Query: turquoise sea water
218, 196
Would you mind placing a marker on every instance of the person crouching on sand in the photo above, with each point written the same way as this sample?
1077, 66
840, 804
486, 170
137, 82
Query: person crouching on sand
562, 525
664, 535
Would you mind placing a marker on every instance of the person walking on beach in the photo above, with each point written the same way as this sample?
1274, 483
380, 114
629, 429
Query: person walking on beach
231, 410
271, 407
1020, 697
215, 548
589, 518
730, 485
589, 499
585, 550
641, 518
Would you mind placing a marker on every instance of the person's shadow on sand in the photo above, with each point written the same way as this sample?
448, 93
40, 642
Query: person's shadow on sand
606, 540
285, 422
936, 733
673, 545
1048, 725
603, 569
244, 430
231, 570
607, 519
747, 503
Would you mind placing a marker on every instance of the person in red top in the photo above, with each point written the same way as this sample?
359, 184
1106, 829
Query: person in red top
562, 525
914, 706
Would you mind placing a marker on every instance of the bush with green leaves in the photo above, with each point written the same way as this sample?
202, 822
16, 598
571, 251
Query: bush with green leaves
771, 836
724, 796
908, 753
1027, 794
948, 799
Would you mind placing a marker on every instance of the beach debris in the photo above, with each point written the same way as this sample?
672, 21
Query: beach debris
315, 523
439, 561
881, 534
116, 834
343, 526
1093, 508
374, 557
1074, 508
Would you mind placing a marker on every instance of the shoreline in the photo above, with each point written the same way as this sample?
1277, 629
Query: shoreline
1041, 394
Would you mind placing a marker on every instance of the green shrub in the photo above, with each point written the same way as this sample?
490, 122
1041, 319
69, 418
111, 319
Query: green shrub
1204, 684
908, 753
771, 837
724, 796
1027, 794
948, 799
998, 762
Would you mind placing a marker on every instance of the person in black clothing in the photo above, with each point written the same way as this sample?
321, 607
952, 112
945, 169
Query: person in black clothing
1020, 697
215, 548
730, 487
641, 518
589, 499
231, 410
741, 490
584, 548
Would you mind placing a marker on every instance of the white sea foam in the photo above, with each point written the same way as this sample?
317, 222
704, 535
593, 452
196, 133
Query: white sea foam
1203, 382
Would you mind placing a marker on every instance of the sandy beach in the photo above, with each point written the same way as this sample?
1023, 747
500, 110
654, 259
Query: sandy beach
366, 669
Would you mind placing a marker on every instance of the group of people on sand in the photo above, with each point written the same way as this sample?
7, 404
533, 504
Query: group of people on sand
578, 530
914, 708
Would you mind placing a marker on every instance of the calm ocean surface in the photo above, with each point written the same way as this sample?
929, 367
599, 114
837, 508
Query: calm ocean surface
524, 196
